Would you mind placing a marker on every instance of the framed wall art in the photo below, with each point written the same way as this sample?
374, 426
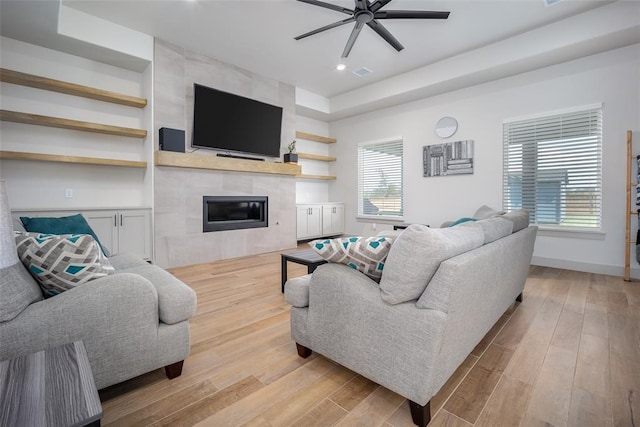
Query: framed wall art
450, 158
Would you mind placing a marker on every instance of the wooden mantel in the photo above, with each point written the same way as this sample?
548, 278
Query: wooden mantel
199, 161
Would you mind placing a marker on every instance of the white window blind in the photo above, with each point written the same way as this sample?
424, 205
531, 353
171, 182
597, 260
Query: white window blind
380, 179
553, 168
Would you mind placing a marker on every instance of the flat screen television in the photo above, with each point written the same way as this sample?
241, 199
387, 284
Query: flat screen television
228, 122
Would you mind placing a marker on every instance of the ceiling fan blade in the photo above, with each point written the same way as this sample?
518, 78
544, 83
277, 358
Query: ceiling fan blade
352, 38
328, 6
326, 27
362, 5
410, 14
385, 34
378, 4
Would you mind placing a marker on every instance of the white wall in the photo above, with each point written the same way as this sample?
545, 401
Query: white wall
612, 78
309, 190
42, 185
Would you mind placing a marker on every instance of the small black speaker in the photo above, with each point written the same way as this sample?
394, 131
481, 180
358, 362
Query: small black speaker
172, 140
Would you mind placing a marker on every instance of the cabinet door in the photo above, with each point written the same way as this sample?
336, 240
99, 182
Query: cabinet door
134, 233
332, 219
314, 225
302, 219
105, 225
337, 219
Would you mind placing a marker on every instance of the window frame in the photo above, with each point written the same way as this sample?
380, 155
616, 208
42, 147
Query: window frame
587, 232
359, 207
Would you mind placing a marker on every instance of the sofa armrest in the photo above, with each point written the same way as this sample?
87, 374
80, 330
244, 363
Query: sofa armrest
176, 300
119, 311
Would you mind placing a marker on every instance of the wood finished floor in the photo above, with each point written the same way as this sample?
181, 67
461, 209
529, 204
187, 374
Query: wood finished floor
569, 355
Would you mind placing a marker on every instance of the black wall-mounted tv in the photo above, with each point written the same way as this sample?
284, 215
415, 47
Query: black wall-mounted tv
228, 122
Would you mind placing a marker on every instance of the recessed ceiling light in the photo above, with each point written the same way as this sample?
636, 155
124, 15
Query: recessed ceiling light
341, 67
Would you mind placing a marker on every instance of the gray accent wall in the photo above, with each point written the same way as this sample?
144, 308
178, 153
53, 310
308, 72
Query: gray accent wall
178, 192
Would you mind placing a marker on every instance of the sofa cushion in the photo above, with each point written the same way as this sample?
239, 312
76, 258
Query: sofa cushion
296, 291
520, 219
124, 261
17, 290
366, 255
495, 228
74, 224
485, 212
416, 255
61, 262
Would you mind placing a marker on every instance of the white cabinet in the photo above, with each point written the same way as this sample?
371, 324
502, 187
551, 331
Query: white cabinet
332, 219
127, 230
309, 221
319, 219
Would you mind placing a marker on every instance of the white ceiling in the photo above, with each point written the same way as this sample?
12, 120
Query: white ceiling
258, 35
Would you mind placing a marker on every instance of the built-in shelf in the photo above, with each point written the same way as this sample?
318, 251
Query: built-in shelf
17, 155
321, 177
57, 122
318, 157
199, 161
24, 79
316, 138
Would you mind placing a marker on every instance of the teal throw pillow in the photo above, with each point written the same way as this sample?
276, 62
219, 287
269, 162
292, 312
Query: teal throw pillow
461, 220
74, 224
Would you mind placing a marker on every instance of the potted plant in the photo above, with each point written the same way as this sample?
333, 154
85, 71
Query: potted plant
291, 156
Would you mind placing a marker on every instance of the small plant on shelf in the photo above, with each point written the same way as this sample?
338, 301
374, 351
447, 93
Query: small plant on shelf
291, 156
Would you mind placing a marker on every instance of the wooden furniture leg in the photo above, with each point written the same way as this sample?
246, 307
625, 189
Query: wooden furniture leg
303, 351
174, 370
421, 415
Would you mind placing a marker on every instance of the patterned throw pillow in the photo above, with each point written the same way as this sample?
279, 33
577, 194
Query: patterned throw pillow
363, 254
61, 262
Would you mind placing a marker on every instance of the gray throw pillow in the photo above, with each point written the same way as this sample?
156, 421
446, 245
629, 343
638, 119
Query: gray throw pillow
485, 212
520, 219
495, 228
416, 255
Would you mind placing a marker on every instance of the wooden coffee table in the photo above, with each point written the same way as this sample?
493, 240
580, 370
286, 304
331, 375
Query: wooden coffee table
51, 387
308, 257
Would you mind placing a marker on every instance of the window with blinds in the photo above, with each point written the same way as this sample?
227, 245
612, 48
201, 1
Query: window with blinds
553, 168
380, 179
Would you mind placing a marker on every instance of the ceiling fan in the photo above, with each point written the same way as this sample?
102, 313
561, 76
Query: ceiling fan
368, 13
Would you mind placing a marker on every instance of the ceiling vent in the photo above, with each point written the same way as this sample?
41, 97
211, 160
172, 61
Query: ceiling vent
361, 72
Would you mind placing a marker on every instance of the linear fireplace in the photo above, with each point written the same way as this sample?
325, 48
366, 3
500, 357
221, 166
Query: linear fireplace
234, 212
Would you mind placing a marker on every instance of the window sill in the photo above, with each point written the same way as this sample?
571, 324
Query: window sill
549, 231
380, 219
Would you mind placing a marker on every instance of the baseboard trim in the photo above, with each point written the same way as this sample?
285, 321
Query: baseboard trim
610, 270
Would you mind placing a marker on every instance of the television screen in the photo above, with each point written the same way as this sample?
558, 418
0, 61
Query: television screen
228, 122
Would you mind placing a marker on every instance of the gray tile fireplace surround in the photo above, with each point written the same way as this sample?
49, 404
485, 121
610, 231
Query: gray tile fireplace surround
179, 239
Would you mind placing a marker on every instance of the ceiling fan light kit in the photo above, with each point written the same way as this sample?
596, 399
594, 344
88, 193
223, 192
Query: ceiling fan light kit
367, 13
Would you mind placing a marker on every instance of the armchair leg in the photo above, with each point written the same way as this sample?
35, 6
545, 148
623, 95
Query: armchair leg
421, 415
303, 351
519, 297
174, 370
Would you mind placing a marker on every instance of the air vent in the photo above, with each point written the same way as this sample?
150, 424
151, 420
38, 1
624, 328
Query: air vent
361, 72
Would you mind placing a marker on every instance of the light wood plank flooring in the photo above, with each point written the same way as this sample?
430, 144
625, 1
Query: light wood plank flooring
569, 355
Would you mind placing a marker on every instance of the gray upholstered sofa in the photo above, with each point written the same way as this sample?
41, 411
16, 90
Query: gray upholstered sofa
441, 291
131, 322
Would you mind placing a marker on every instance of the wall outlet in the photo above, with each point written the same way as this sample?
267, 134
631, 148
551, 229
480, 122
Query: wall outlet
374, 226
68, 193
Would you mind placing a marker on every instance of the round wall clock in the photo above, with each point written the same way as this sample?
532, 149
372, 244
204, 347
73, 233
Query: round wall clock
446, 127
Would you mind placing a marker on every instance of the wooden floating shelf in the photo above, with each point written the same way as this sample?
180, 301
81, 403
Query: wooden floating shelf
198, 161
318, 157
316, 138
57, 122
322, 177
30, 80
17, 155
